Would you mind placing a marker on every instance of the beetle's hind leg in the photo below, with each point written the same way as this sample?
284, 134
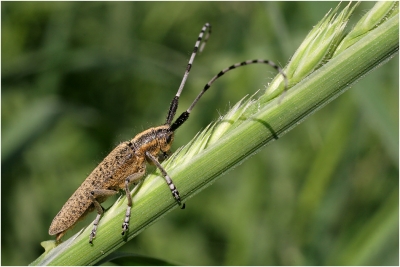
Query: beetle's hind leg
58, 237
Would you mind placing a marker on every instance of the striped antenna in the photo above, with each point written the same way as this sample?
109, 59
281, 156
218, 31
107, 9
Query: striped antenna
174, 104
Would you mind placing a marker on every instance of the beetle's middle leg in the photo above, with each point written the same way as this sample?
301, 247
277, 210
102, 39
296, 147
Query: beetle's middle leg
93, 195
133, 178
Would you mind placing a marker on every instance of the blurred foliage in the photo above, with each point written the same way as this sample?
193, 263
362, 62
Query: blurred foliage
80, 77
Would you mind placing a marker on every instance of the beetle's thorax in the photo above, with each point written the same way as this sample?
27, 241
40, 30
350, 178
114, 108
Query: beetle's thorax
154, 140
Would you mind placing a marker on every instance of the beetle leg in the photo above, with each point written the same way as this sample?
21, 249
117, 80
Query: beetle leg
93, 195
128, 181
174, 191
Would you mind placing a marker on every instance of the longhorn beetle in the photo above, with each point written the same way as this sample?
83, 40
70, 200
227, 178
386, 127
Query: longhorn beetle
126, 164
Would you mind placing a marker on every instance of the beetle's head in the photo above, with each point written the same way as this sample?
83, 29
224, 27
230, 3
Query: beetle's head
165, 138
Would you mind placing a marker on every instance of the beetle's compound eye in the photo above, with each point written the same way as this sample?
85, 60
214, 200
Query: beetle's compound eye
170, 138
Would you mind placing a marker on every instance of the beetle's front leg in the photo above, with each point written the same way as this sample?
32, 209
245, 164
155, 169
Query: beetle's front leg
174, 191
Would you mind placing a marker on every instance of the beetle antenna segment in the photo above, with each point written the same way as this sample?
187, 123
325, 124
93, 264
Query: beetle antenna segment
185, 115
174, 104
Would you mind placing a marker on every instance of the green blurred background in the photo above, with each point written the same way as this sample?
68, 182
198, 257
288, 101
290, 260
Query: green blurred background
80, 77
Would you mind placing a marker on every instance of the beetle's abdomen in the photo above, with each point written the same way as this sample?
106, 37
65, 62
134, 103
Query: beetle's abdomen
109, 174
